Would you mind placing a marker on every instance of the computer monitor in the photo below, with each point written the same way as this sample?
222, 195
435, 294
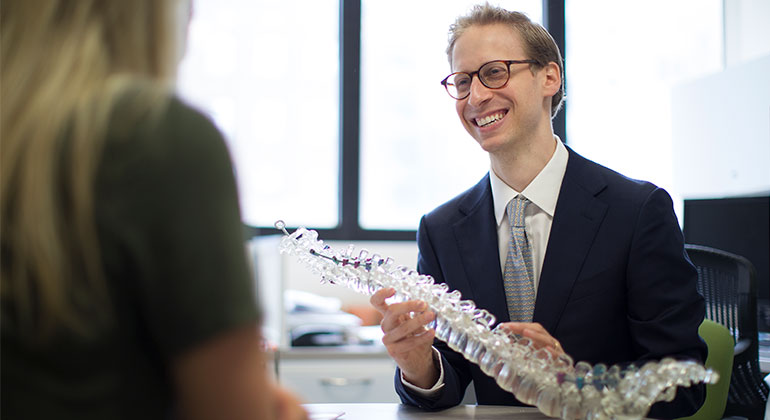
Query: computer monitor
740, 225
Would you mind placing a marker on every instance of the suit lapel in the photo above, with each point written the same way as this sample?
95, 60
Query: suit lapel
476, 236
577, 218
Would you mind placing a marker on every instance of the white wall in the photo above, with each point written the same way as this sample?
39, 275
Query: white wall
747, 30
721, 122
721, 132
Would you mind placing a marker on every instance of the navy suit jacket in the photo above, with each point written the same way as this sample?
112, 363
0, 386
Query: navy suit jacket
616, 285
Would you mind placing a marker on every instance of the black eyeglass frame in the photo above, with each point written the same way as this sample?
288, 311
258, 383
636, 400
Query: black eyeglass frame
508, 63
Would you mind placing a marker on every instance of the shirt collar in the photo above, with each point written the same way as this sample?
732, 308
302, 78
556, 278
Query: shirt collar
543, 191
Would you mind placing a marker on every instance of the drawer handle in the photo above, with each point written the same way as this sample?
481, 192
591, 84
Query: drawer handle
345, 381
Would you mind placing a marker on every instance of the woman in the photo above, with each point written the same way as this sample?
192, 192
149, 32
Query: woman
125, 286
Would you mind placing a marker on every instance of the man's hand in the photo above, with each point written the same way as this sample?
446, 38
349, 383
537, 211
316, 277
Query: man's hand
407, 340
535, 332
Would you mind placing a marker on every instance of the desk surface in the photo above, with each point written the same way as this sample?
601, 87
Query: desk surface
393, 411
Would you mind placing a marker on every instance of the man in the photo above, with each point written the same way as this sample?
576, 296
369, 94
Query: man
600, 255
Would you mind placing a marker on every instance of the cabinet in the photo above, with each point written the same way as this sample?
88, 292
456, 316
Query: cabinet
355, 374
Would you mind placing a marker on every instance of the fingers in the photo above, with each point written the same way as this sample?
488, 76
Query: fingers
396, 314
401, 313
407, 350
403, 324
404, 327
378, 299
540, 337
556, 346
379, 302
408, 328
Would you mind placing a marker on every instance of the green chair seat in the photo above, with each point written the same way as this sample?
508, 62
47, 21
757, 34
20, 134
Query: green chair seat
720, 358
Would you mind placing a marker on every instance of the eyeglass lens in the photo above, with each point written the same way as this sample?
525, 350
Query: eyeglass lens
492, 75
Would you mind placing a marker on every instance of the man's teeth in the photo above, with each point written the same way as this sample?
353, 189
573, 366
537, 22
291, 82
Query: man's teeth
489, 119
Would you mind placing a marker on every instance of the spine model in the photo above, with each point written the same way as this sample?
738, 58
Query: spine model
555, 385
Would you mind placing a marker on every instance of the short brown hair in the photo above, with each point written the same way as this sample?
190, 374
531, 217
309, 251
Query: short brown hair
539, 45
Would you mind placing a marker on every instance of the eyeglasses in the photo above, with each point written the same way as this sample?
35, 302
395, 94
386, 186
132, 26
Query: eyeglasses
493, 75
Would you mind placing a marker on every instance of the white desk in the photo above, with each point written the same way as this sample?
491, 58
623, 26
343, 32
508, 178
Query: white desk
392, 411
319, 375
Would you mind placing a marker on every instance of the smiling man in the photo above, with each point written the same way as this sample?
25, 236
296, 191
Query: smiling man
560, 249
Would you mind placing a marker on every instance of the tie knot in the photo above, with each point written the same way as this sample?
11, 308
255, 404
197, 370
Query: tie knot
515, 210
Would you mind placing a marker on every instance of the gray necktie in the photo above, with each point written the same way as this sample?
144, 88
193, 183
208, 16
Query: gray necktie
518, 278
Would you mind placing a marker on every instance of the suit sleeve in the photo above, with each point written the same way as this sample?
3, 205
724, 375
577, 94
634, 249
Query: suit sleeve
664, 307
456, 370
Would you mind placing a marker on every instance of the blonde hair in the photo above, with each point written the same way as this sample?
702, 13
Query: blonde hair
64, 64
539, 45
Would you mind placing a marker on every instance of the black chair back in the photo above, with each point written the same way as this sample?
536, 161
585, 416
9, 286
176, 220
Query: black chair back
727, 283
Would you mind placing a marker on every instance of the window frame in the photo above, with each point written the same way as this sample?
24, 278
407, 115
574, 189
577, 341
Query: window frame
348, 227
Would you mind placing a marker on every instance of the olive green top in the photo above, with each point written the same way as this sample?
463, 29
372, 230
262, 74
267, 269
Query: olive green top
173, 251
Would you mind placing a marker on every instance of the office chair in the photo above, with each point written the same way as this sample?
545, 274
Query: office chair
720, 358
727, 283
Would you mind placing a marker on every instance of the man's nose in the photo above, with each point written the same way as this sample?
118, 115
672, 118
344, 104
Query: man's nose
478, 93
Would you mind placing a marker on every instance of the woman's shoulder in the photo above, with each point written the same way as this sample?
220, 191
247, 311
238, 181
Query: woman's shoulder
153, 123
161, 143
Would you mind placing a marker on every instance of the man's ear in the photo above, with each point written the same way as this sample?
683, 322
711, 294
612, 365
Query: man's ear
552, 81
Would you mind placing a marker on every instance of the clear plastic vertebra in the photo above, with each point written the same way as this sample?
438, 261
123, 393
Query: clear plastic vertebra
555, 385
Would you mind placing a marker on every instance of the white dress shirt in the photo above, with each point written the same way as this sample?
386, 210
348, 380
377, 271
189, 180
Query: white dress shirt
543, 192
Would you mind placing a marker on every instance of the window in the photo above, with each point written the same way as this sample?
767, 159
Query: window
271, 76
268, 74
415, 154
623, 59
